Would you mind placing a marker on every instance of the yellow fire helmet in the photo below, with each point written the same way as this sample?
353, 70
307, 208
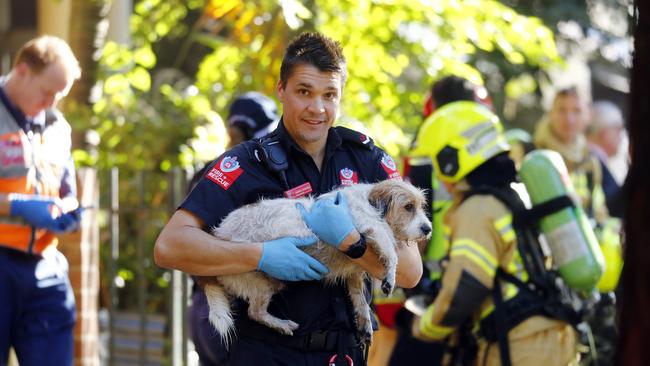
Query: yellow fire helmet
459, 137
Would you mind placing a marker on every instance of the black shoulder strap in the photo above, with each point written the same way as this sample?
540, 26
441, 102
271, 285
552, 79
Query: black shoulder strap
355, 137
269, 151
522, 216
534, 214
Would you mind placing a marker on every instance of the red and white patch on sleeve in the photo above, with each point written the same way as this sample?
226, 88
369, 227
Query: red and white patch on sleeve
225, 172
348, 177
390, 167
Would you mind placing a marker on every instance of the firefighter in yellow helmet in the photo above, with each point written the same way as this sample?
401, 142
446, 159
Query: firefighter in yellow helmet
466, 143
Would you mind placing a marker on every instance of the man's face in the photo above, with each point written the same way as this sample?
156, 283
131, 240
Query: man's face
567, 118
38, 91
610, 139
310, 101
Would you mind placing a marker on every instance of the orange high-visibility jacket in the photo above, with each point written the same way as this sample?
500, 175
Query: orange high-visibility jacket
37, 162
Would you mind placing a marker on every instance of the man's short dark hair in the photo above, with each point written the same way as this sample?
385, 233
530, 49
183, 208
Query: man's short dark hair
313, 49
451, 89
566, 92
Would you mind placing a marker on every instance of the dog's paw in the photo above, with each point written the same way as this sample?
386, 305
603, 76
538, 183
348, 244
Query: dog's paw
292, 325
387, 286
285, 327
366, 338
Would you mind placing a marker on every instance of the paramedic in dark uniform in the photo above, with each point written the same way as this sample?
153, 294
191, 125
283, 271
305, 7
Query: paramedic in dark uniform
318, 159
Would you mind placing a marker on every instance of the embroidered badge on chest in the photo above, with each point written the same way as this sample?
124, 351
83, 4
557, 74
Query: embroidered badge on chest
299, 191
348, 177
225, 172
390, 167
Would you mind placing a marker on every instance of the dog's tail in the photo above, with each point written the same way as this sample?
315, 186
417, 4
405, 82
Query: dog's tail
220, 315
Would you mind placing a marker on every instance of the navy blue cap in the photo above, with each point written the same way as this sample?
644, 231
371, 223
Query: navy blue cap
254, 113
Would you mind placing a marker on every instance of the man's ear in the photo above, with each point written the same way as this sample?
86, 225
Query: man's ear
280, 91
21, 69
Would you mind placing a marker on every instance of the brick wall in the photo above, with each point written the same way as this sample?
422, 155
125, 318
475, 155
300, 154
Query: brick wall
81, 248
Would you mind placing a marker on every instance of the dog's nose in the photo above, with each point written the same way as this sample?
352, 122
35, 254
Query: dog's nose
426, 229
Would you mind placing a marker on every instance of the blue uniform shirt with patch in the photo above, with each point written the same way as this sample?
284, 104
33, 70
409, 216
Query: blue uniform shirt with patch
237, 178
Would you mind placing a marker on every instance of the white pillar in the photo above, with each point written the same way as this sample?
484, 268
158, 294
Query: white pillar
53, 17
5, 23
5, 10
118, 18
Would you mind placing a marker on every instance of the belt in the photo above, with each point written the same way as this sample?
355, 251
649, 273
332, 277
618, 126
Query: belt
317, 341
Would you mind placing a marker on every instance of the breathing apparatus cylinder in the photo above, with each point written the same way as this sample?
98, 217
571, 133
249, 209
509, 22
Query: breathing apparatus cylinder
572, 241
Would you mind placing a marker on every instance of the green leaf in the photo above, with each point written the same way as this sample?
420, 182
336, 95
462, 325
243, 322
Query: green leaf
115, 84
140, 79
145, 57
524, 84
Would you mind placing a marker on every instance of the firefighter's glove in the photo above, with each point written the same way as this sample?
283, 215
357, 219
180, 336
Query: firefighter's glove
329, 219
283, 259
36, 210
67, 222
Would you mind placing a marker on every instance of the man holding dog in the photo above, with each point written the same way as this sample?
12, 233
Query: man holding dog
305, 155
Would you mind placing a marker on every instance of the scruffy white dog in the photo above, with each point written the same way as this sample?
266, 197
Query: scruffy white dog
389, 214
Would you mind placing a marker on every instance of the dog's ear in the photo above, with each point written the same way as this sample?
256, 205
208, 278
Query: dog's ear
380, 197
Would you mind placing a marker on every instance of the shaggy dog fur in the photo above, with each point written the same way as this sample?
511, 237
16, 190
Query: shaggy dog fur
389, 214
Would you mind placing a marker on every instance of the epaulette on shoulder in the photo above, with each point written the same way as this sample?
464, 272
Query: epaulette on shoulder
254, 145
355, 137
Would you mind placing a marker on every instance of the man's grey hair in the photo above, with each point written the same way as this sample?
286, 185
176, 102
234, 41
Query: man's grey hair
604, 114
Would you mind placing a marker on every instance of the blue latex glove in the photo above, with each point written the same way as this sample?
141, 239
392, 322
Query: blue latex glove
36, 210
329, 219
283, 259
67, 222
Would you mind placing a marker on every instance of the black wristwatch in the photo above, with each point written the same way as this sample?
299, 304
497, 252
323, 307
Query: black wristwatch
358, 249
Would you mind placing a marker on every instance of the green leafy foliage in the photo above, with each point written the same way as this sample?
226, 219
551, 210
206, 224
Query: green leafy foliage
152, 101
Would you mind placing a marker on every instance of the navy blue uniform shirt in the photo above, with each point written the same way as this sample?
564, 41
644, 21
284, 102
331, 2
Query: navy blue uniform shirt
237, 178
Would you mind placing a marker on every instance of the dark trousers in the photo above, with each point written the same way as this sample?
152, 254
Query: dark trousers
410, 351
37, 309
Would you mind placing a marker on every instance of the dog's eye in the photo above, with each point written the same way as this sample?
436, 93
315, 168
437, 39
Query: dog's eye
409, 207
